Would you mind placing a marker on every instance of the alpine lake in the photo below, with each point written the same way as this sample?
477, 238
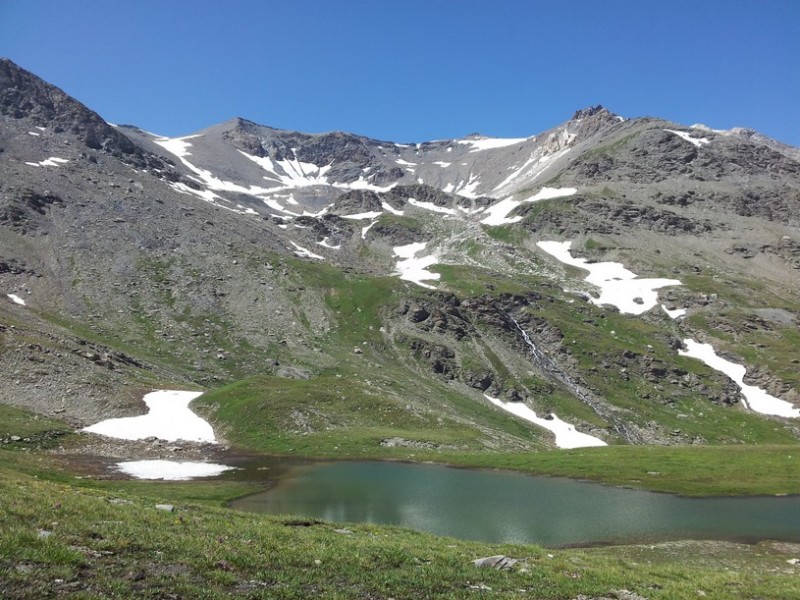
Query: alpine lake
503, 506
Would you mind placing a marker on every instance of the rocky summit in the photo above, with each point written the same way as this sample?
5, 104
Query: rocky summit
609, 281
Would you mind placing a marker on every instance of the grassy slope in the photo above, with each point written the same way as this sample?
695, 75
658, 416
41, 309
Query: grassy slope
62, 539
100, 546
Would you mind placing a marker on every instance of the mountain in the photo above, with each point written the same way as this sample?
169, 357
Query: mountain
331, 288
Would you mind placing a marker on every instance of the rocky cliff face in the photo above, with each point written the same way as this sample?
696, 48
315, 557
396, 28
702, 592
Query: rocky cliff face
135, 261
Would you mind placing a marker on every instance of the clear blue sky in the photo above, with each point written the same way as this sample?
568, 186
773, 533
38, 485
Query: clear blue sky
415, 70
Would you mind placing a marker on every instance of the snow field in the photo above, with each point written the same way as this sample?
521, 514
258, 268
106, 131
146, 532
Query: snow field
169, 418
566, 434
498, 212
170, 470
490, 143
305, 252
698, 142
414, 269
618, 286
53, 161
757, 399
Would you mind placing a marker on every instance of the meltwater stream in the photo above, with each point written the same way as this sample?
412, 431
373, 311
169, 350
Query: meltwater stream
497, 506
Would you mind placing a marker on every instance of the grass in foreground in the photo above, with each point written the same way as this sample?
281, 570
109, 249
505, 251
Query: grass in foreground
57, 539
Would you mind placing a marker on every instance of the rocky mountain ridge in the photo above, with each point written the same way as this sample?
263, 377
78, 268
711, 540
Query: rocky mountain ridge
244, 251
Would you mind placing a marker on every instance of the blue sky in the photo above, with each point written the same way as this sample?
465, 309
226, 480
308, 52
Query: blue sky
415, 70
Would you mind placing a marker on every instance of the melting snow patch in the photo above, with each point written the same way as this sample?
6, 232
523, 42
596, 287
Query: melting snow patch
431, 206
206, 195
490, 143
756, 399
618, 286
364, 230
53, 161
169, 419
367, 215
566, 434
498, 213
34, 133
363, 184
675, 313
179, 147
688, 137
16, 299
305, 252
468, 189
291, 173
441, 163
170, 469
326, 244
390, 208
539, 160
415, 269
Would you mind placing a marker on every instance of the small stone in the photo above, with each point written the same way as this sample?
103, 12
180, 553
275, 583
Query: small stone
793, 561
44, 534
500, 562
481, 586
166, 507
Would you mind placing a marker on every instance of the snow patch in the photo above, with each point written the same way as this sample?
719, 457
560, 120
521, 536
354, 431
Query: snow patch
292, 173
477, 145
361, 216
53, 161
171, 470
566, 434
441, 163
539, 160
326, 244
688, 137
415, 269
206, 195
756, 399
431, 207
16, 299
468, 189
34, 133
363, 184
498, 213
707, 129
618, 286
364, 230
674, 313
169, 418
179, 147
390, 208
305, 252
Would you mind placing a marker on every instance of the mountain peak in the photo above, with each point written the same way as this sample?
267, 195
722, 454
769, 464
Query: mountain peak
23, 95
592, 111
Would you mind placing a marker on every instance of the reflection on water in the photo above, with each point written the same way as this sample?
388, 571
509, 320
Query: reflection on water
511, 507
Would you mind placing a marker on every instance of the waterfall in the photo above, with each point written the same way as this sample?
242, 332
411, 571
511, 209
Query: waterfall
598, 405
